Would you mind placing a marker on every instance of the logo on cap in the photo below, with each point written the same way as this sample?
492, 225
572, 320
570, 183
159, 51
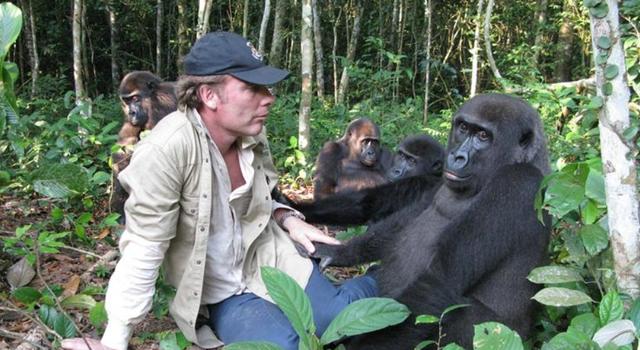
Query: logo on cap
254, 52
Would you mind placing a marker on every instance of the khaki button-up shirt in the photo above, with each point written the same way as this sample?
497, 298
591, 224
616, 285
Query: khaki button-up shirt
169, 181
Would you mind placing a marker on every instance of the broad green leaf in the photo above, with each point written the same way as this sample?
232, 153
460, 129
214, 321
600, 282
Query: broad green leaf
587, 324
611, 308
52, 188
100, 178
5, 177
10, 24
596, 102
63, 326
570, 340
563, 196
48, 315
363, 316
556, 296
594, 238
600, 10
174, 341
98, 315
60, 180
634, 315
495, 336
611, 71
427, 319
591, 212
604, 42
453, 346
602, 58
250, 345
290, 297
618, 333
26, 295
79, 301
594, 184
591, 3
554, 274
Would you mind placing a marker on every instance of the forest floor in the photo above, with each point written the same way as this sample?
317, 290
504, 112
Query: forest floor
74, 268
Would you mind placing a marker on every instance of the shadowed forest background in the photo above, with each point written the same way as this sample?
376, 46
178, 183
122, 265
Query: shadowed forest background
405, 64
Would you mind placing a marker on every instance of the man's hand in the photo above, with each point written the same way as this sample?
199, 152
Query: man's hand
79, 344
304, 234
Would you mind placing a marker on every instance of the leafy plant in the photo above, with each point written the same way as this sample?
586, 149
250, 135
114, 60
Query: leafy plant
362, 316
11, 23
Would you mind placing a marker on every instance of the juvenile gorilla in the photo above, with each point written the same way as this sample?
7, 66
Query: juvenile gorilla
477, 241
353, 162
145, 100
417, 155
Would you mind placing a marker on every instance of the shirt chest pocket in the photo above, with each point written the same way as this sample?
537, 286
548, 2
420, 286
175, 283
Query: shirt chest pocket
188, 219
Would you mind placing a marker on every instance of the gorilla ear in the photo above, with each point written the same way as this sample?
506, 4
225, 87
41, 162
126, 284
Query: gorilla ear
437, 166
526, 138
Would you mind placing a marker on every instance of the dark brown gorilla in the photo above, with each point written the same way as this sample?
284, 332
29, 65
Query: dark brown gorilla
353, 162
145, 100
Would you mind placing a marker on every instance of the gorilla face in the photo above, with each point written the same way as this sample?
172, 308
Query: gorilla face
417, 155
475, 151
134, 110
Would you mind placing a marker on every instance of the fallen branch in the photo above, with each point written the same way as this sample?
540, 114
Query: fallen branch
32, 340
105, 259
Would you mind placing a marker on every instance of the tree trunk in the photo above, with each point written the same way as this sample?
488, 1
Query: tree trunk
619, 167
113, 29
277, 41
182, 33
78, 80
394, 27
30, 41
487, 41
245, 19
400, 36
334, 56
476, 51
204, 11
351, 54
317, 44
427, 66
159, 21
263, 26
306, 51
565, 45
541, 19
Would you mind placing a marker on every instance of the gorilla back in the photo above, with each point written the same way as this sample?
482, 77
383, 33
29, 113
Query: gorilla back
477, 241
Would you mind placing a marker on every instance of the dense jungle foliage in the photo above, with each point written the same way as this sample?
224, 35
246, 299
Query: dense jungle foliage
55, 175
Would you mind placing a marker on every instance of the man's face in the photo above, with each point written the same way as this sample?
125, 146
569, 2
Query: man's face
242, 108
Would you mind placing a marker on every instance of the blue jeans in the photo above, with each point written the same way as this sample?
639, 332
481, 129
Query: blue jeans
247, 317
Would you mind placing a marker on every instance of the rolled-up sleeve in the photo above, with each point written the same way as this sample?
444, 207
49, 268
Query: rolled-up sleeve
154, 184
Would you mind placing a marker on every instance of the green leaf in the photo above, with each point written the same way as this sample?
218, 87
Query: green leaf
591, 3
594, 238
607, 88
611, 308
591, 212
556, 296
290, 297
634, 315
604, 42
453, 346
365, 315
571, 340
611, 71
594, 186
55, 180
587, 324
98, 315
554, 274
79, 301
173, 341
495, 336
250, 345
452, 308
563, 195
600, 10
63, 326
602, 58
596, 102
26, 295
618, 333
10, 24
100, 178
427, 319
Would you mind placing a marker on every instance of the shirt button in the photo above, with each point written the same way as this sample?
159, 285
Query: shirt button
201, 228
206, 160
195, 293
260, 225
193, 211
266, 197
198, 262
259, 166
204, 195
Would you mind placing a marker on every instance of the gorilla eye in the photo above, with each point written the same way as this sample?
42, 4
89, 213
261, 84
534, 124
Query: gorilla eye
483, 135
463, 127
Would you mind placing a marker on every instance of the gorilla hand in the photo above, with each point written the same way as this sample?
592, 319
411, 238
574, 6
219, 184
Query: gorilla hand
326, 253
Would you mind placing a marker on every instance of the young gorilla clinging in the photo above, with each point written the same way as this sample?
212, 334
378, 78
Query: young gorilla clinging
477, 241
353, 162
145, 100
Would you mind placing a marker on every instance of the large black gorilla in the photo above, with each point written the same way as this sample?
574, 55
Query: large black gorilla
472, 240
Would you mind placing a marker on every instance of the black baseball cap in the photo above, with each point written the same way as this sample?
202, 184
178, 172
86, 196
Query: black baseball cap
220, 53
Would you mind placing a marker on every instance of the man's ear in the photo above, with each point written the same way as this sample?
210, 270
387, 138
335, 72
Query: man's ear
208, 96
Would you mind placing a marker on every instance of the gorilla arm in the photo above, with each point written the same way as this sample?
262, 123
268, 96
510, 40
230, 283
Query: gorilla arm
359, 207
